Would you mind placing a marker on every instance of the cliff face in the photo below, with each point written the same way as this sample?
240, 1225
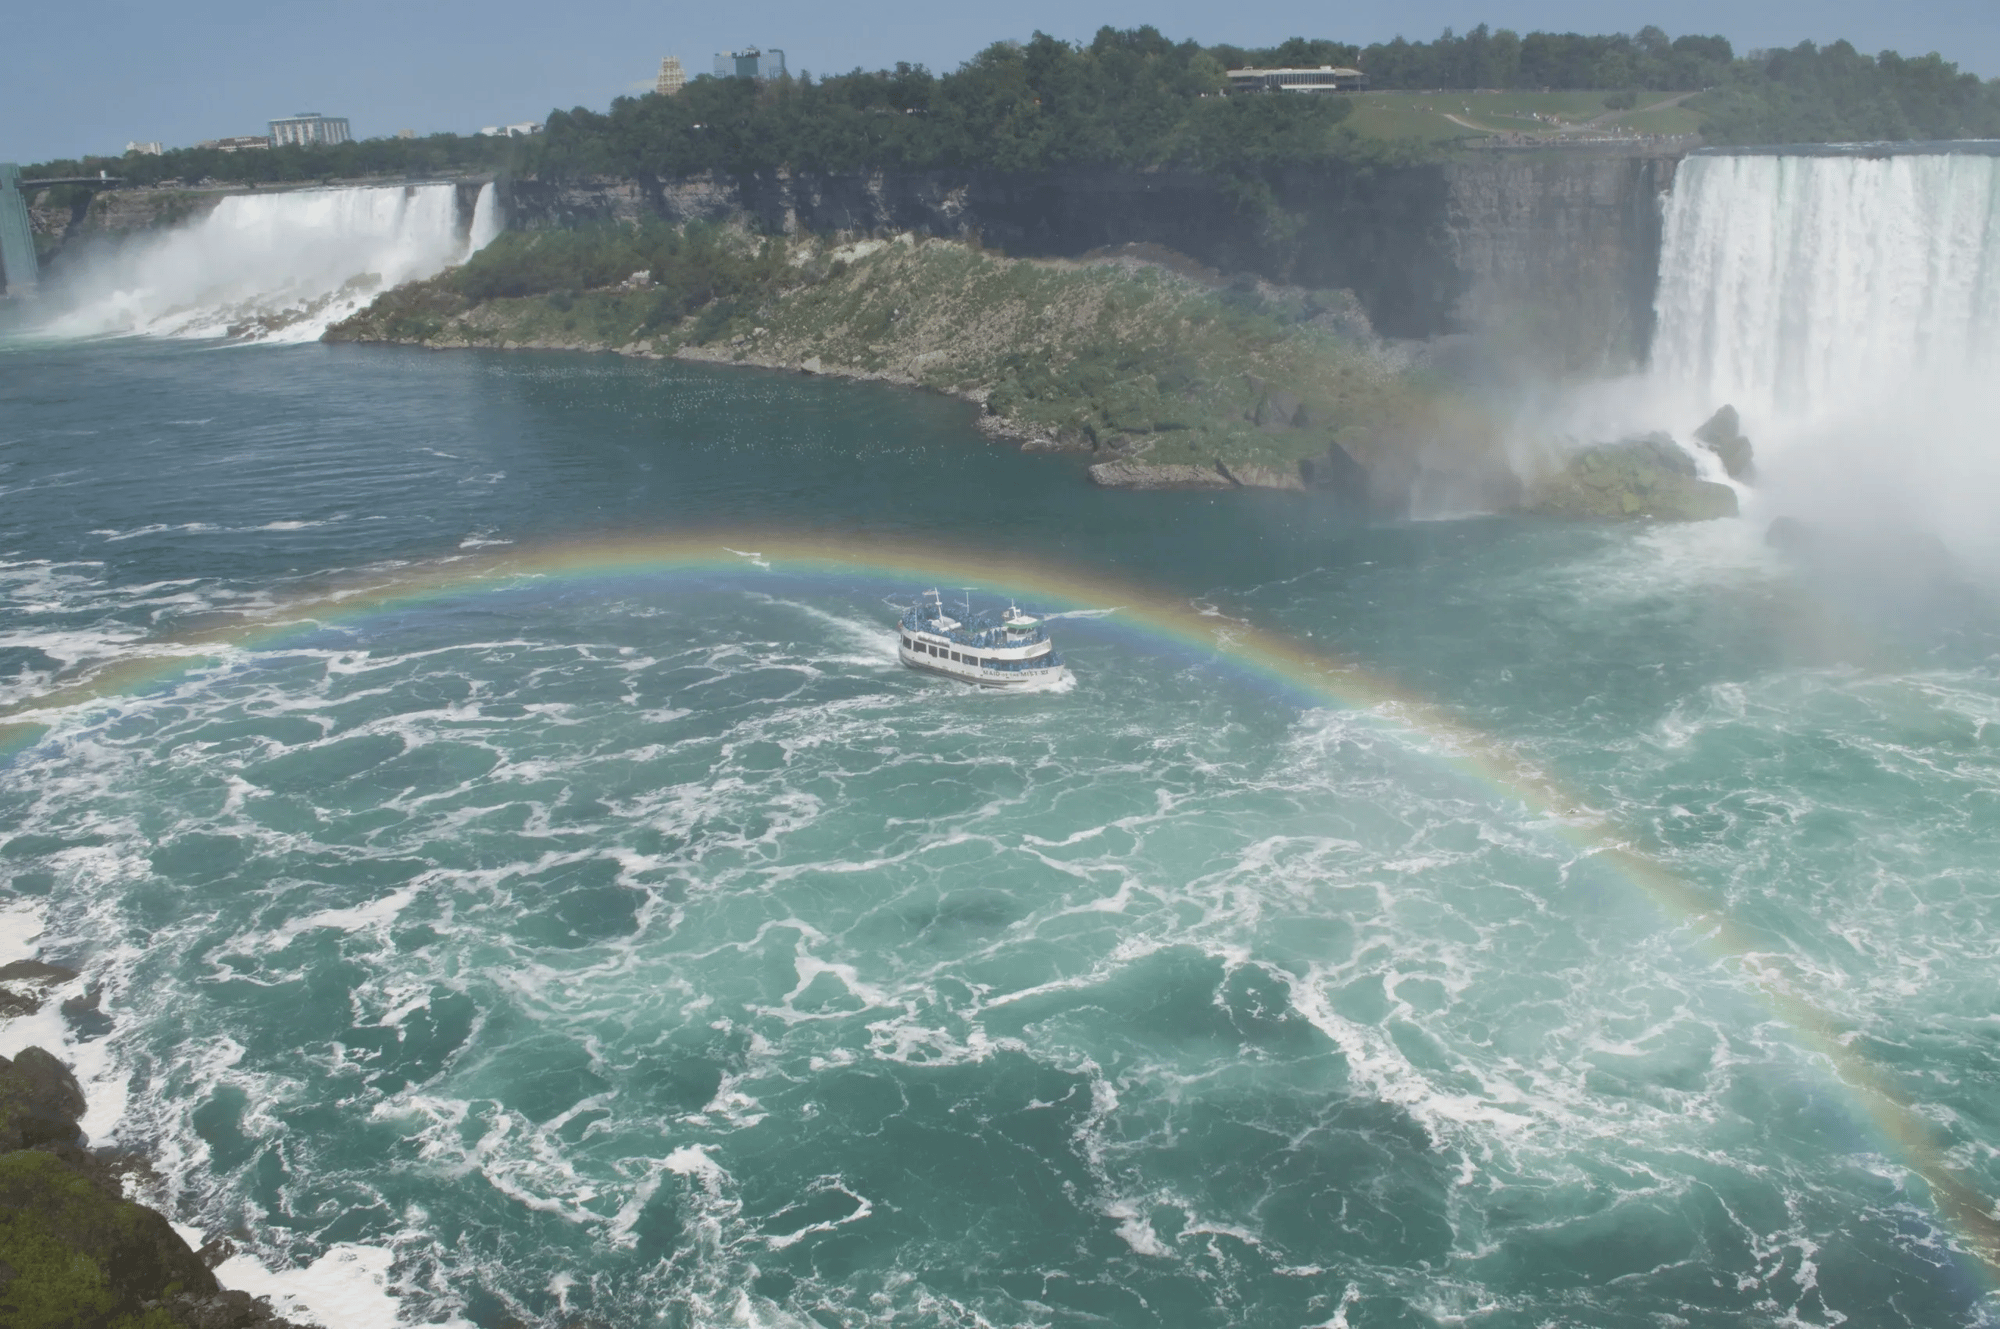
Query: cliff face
1562, 247
1560, 252
70, 217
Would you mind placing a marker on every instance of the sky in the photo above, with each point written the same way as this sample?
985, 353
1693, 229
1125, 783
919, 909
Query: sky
88, 76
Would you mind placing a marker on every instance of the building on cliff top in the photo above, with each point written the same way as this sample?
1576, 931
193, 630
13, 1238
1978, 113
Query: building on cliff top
308, 128
237, 143
672, 77
1327, 78
750, 63
145, 149
519, 129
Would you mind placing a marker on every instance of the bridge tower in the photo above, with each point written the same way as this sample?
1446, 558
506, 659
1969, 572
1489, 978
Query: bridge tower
17, 237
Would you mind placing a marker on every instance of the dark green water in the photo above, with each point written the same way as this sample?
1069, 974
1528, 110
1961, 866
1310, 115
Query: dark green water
647, 949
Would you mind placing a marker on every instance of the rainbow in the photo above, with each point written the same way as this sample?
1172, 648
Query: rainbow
1313, 677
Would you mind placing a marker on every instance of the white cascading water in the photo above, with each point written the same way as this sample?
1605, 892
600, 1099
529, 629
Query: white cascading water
268, 266
1849, 307
487, 220
1797, 284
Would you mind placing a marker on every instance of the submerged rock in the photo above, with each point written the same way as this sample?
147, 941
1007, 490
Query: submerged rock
1638, 477
1723, 435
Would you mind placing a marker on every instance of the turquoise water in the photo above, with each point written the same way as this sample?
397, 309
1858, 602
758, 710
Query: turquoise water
651, 948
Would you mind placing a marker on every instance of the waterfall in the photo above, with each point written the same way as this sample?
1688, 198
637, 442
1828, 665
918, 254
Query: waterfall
1847, 302
1792, 284
487, 221
268, 266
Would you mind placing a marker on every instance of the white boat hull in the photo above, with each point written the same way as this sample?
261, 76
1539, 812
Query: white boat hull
966, 672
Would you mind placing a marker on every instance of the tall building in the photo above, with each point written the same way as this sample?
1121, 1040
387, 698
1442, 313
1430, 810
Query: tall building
750, 63
672, 77
308, 128
152, 149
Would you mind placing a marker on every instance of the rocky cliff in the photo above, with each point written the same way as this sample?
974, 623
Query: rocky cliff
1562, 247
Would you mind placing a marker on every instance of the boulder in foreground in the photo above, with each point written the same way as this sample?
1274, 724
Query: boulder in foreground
1638, 477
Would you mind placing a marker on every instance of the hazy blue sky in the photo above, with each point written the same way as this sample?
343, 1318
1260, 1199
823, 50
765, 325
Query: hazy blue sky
88, 75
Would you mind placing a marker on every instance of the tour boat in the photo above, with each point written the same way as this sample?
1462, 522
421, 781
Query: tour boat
1008, 649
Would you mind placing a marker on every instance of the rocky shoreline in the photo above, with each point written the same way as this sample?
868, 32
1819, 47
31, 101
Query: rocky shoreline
1162, 374
75, 1249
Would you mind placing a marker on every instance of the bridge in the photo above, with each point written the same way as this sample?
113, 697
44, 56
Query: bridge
99, 179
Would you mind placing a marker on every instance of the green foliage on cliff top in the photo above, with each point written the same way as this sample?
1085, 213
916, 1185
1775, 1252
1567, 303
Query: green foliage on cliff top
1128, 98
1133, 98
1836, 94
414, 158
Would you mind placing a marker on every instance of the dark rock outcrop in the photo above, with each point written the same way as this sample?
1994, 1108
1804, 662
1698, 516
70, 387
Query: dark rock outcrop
1638, 477
73, 1250
40, 1102
1723, 435
24, 983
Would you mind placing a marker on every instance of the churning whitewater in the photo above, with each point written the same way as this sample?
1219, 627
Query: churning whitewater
635, 941
278, 266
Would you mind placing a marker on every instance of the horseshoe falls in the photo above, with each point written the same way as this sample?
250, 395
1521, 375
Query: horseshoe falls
1847, 302
1792, 281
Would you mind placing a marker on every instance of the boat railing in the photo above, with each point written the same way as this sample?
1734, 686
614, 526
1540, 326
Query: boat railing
989, 637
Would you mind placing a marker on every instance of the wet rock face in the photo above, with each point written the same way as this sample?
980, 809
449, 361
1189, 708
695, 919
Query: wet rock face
1637, 477
40, 1102
24, 983
1723, 435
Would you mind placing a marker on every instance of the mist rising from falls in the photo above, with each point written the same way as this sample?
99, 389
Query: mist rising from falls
1849, 307
270, 266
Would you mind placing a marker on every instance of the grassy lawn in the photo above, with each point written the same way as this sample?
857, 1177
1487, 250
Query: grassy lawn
1430, 115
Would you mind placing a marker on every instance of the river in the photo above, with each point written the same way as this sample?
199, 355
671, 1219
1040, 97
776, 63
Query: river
575, 914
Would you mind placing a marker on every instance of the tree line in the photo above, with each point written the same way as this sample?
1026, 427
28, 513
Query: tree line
1133, 98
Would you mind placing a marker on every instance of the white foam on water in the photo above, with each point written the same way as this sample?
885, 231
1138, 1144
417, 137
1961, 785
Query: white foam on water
347, 1287
20, 928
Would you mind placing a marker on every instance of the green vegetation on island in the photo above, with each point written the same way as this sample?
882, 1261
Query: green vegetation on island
1139, 358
